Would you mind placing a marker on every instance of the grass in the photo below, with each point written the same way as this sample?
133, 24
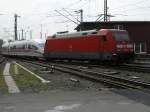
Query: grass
3, 86
27, 81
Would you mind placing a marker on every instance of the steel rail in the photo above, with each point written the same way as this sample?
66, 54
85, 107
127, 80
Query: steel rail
101, 77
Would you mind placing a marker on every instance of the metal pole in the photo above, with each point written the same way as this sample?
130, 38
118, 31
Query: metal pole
81, 11
25, 35
15, 27
105, 10
30, 34
19, 37
22, 34
41, 31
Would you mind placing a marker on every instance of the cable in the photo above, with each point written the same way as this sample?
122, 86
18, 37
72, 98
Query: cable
71, 15
66, 17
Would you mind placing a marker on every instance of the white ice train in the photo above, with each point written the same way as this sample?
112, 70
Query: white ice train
24, 48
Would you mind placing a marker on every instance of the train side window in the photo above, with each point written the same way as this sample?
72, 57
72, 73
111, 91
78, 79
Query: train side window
23, 47
14, 47
29, 46
34, 47
104, 39
84, 33
94, 33
11, 47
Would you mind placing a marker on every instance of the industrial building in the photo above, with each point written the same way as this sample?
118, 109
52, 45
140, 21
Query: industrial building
139, 32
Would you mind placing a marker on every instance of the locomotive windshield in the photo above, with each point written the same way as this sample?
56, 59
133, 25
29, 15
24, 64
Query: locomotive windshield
121, 36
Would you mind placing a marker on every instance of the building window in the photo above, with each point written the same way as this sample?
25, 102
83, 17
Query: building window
119, 27
140, 48
143, 47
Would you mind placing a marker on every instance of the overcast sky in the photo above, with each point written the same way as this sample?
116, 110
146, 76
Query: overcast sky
37, 14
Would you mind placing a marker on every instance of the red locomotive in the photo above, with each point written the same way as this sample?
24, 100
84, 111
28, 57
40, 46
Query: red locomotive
102, 45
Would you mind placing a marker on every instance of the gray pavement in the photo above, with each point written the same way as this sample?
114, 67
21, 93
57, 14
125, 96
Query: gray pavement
71, 101
12, 86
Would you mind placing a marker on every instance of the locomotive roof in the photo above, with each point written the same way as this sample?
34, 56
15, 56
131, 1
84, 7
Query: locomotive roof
81, 33
112, 30
76, 34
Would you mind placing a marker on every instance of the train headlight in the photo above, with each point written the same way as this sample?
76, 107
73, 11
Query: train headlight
114, 54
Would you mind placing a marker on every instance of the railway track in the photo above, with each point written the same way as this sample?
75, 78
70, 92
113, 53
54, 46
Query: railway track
98, 76
137, 67
2, 59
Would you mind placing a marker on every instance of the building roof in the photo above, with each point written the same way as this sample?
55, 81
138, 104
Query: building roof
89, 23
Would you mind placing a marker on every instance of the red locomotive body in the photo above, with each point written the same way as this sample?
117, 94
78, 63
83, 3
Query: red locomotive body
105, 44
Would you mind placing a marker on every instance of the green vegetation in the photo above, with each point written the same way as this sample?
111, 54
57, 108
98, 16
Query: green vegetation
26, 81
3, 86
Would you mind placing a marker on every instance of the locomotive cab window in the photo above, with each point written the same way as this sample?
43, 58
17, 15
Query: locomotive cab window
121, 37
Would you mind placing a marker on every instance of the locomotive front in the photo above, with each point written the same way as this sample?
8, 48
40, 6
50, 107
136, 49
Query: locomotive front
124, 46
